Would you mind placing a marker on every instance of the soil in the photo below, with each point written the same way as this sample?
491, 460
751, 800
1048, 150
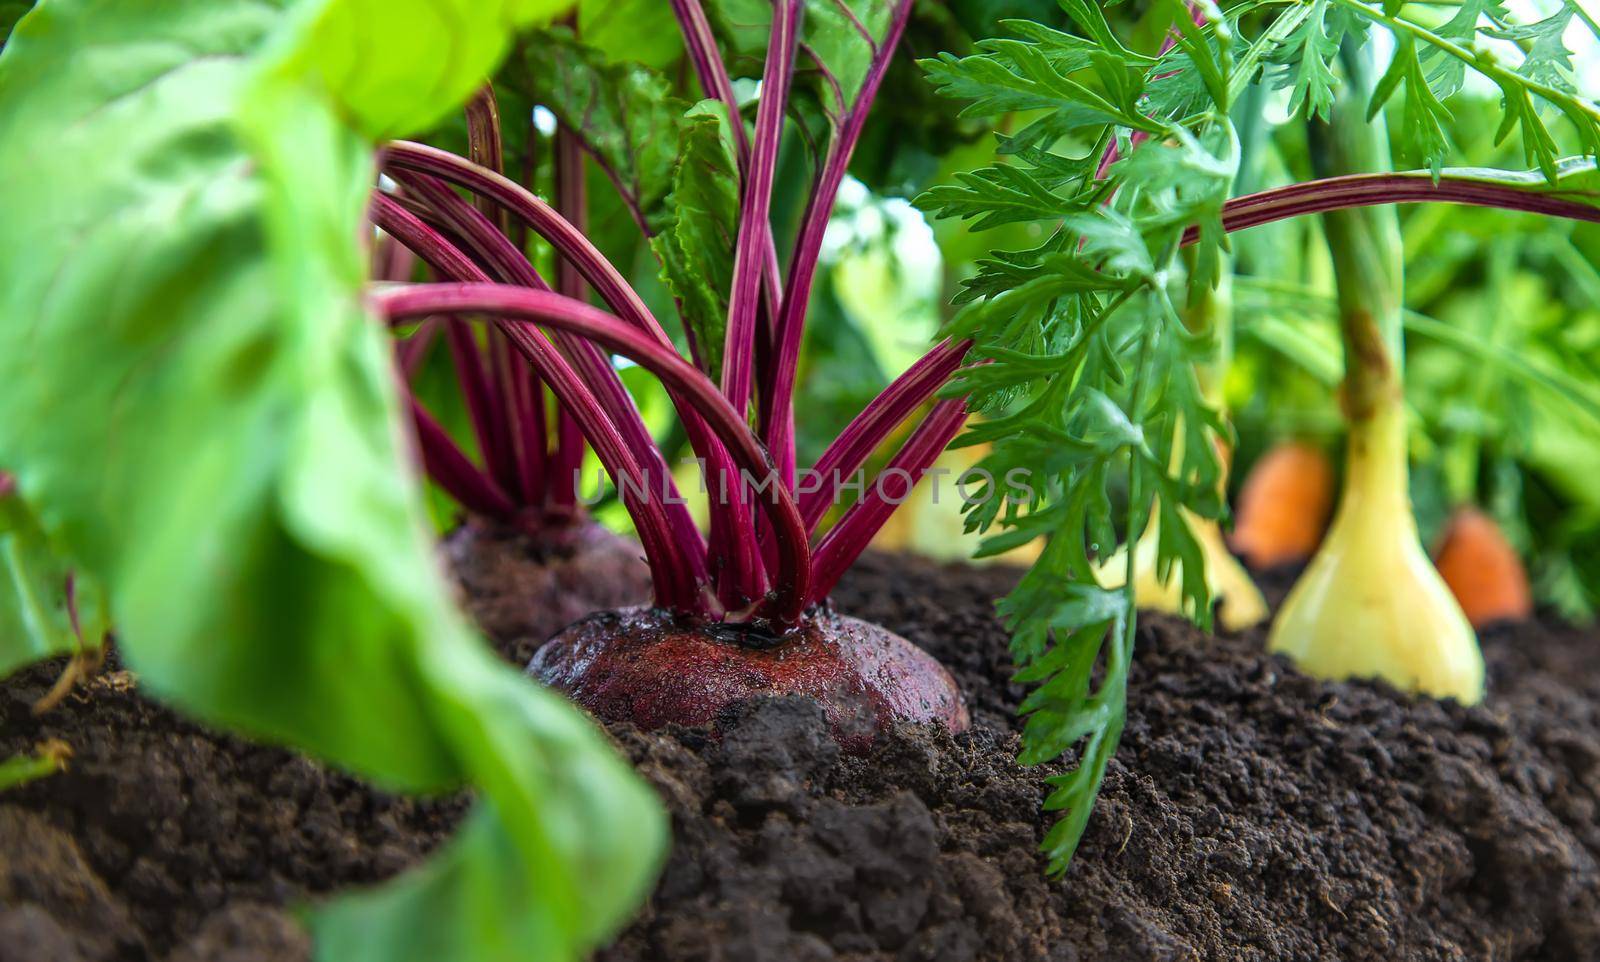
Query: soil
1251, 813
163, 840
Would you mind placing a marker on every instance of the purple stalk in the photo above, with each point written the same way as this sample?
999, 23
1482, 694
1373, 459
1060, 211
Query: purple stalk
676, 583
740, 574
755, 223
522, 204
572, 244
572, 203
869, 429
391, 261
484, 146
521, 396
446, 463
701, 45
844, 543
8, 485
778, 429
489, 420
790, 589
1369, 190
569, 243
478, 234
512, 266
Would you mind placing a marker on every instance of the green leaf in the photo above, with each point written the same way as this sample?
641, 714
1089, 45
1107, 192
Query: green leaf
10, 12
1425, 118
48, 759
1547, 60
1002, 194
625, 113
644, 31
206, 422
1445, 73
697, 240
1307, 56
44, 609
396, 67
1451, 49
837, 40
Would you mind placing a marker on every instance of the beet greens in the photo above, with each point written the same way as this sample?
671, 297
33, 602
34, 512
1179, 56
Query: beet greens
202, 424
763, 559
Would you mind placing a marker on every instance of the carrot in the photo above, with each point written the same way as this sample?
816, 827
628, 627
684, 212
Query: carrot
1482, 569
1283, 507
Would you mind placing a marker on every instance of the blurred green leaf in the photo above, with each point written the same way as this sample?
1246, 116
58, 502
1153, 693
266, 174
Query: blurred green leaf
205, 419
10, 12
643, 31
44, 609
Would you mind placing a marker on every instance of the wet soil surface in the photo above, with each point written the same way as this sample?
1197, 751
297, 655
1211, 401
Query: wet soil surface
1250, 814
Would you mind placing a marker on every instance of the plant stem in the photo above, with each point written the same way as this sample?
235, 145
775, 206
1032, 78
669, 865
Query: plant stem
570, 243
512, 266
1370, 603
676, 585
488, 418
445, 462
557, 231
778, 429
882, 415
1410, 187
701, 46
1365, 245
572, 202
844, 543
755, 222
791, 583
521, 466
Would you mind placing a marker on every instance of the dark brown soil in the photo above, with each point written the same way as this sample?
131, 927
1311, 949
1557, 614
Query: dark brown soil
163, 840
1251, 814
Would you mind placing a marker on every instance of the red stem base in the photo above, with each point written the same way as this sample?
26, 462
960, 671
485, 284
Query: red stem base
643, 666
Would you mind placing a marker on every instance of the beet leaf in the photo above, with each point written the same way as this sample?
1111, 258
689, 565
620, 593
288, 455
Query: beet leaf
205, 420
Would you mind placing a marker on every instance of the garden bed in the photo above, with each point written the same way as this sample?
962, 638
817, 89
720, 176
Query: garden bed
1251, 813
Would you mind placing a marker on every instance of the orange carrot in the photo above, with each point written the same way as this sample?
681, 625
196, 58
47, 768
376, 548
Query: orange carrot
1482, 569
1283, 507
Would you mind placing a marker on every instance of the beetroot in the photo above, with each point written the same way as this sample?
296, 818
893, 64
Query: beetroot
522, 587
645, 666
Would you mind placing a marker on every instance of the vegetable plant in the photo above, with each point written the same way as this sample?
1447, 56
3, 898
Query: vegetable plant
529, 557
1090, 372
203, 427
208, 435
230, 466
741, 609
